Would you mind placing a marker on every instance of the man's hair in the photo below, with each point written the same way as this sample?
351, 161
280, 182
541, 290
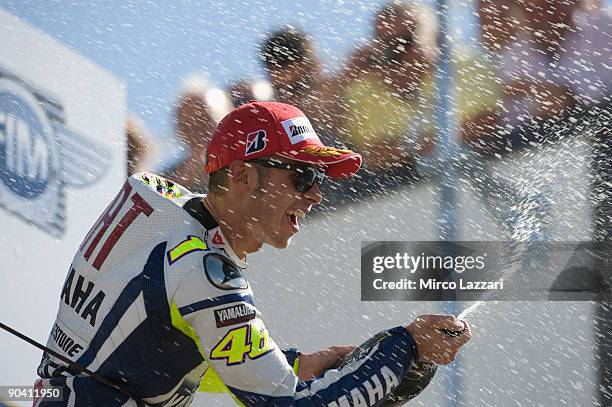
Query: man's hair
218, 181
284, 47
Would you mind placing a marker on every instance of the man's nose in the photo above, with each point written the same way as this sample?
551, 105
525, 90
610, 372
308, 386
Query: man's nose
314, 194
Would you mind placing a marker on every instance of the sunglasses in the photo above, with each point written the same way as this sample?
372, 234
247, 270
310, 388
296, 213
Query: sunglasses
304, 177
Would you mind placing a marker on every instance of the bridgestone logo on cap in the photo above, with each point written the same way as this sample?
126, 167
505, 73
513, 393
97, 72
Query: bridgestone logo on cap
299, 129
256, 142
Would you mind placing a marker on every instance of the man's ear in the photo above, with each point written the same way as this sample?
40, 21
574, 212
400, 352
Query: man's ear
242, 175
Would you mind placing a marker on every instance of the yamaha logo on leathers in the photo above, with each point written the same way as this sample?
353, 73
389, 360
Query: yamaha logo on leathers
235, 314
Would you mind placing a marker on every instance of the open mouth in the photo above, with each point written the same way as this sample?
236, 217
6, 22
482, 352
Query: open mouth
294, 215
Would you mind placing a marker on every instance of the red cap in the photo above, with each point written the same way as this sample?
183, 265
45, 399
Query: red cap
259, 129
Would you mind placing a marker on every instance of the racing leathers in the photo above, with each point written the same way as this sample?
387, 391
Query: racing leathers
156, 302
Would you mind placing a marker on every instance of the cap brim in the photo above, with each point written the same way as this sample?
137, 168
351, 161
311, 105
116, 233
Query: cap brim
339, 163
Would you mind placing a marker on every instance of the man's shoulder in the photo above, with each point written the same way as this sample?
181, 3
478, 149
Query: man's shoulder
222, 272
189, 244
195, 249
208, 277
160, 187
209, 264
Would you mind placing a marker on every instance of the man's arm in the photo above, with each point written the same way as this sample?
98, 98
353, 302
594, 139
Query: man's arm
367, 379
310, 365
238, 348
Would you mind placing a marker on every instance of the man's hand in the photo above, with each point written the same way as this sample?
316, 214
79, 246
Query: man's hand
435, 346
313, 364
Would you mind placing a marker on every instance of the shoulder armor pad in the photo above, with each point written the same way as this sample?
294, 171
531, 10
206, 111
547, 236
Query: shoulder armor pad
223, 274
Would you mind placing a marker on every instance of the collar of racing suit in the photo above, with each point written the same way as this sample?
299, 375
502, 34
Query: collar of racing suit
196, 208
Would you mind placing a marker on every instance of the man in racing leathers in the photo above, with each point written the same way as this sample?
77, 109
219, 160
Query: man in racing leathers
156, 301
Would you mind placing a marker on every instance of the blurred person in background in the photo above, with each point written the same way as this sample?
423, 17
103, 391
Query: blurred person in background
297, 78
245, 90
392, 117
561, 58
141, 148
386, 97
499, 23
199, 107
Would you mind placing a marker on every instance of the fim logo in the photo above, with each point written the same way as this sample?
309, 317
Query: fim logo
39, 156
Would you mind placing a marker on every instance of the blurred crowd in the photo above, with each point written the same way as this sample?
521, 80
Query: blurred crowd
538, 61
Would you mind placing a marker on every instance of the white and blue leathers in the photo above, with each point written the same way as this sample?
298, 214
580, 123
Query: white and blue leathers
156, 302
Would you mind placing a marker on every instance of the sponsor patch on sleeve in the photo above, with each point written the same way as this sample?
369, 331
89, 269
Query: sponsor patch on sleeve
233, 315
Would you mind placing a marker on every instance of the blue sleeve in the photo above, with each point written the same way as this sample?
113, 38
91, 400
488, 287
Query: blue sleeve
291, 355
365, 381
